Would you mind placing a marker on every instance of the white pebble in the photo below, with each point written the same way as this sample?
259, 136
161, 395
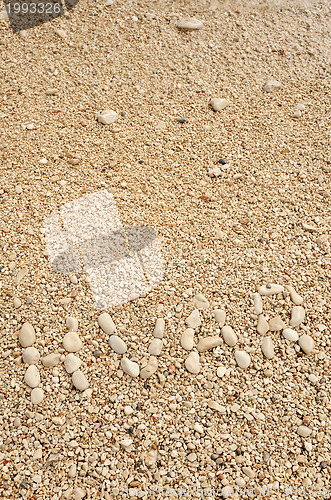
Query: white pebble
72, 324
31, 355
190, 24
297, 316
186, 340
312, 378
192, 363
213, 405
151, 367
262, 325
32, 376
300, 107
267, 347
130, 367
304, 431
117, 344
51, 360
71, 342
270, 289
155, 347
72, 363
194, 321
221, 371
219, 316
227, 491
295, 297
297, 114
276, 324
79, 380
37, 395
106, 323
200, 301
229, 336
20, 275
248, 472
17, 302
209, 343
258, 304
290, 334
271, 85
27, 335
128, 410
219, 104
306, 343
243, 359
198, 428
107, 117
159, 328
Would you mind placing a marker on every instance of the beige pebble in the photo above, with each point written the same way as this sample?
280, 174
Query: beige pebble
200, 301
106, 323
72, 342
194, 321
155, 347
187, 339
209, 343
262, 325
192, 363
297, 315
229, 336
79, 380
219, 104
51, 360
270, 289
190, 24
32, 376
37, 395
243, 359
295, 297
20, 275
159, 328
306, 343
267, 347
304, 431
219, 316
151, 367
276, 324
27, 335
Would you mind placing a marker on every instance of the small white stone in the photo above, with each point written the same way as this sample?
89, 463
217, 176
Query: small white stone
128, 410
72, 472
151, 367
37, 395
31, 355
51, 360
186, 340
213, 405
106, 323
194, 321
126, 444
71, 342
221, 371
229, 336
209, 343
198, 428
295, 297
79, 380
190, 24
17, 302
3, 15
240, 482
107, 116
130, 367
258, 304
262, 325
290, 334
72, 363
155, 347
27, 335
159, 328
309, 228
304, 431
300, 107
306, 343
271, 85
74, 280
192, 363
39, 452
312, 378
227, 491
267, 347
243, 359
248, 472
72, 324
117, 344
20, 275
151, 457
191, 457
297, 316
270, 289
276, 324
219, 316
32, 376
200, 301
297, 114
219, 104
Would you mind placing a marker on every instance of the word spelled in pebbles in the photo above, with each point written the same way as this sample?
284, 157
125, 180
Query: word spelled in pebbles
290, 334
219, 316
258, 304
106, 323
306, 343
31, 355
271, 85
194, 320
71, 342
130, 367
155, 347
117, 344
297, 316
192, 363
276, 324
72, 363
230, 338
107, 117
27, 335
270, 289
151, 367
159, 328
37, 395
187, 339
218, 104
72, 324
200, 301
262, 325
79, 380
32, 376
209, 343
295, 297
243, 359
51, 360
190, 24
267, 347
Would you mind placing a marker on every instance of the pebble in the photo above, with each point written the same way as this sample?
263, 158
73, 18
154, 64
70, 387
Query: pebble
295, 297
258, 304
290, 334
151, 457
79, 380
306, 343
194, 321
304, 431
300, 107
17, 302
209, 343
31, 355
72, 324
20, 275
200, 301
198, 428
230, 338
271, 85
72, 363
191, 457
312, 378
192, 363
219, 104
248, 472
27, 335
159, 328
72, 472
243, 359
71, 342
262, 325
219, 316
51, 360
117, 344
37, 395
106, 323
107, 117
190, 24
221, 371
32, 376
267, 347
130, 367
270, 289
74, 280
297, 315
187, 339
128, 410
297, 114
155, 347
213, 405
309, 228
151, 367
3, 15
227, 491
276, 324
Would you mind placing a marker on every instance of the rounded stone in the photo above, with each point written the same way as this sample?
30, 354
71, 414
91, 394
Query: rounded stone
219, 104
295, 297
37, 395
106, 323
243, 359
262, 325
72, 363
107, 116
192, 363
31, 355
267, 347
304, 431
230, 338
306, 343
258, 304
71, 342
72, 324
51, 360
130, 367
190, 24
194, 321
155, 347
290, 334
276, 324
79, 380
270, 289
117, 344
209, 343
187, 339
219, 316
200, 301
151, 367
27, 335
297, 315
159, 328
32, 376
